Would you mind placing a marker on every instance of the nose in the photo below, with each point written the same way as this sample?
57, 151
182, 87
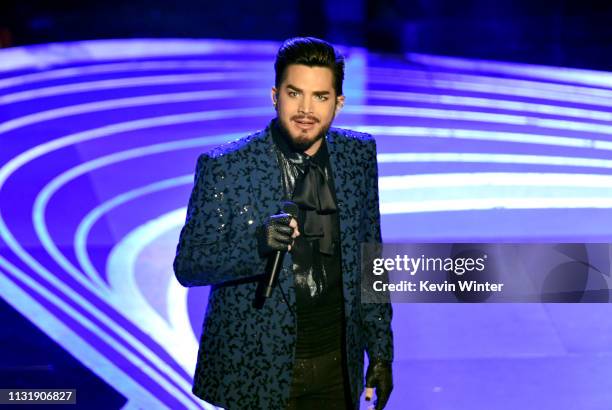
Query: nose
305, 107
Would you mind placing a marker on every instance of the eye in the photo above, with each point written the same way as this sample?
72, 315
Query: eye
292, 93
322, 97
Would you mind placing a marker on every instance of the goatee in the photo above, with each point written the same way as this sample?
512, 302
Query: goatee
300, 145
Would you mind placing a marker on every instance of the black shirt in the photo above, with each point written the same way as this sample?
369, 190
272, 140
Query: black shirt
317, 275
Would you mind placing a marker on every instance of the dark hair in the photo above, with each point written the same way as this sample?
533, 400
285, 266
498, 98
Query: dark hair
311, 52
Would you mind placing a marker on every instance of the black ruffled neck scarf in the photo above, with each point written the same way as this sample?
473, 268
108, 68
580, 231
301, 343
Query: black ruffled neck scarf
312, 192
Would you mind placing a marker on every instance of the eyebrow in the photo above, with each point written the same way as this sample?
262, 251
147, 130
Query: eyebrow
294, 88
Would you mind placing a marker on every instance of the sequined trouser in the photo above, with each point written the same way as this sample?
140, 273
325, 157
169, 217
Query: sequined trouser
319, 383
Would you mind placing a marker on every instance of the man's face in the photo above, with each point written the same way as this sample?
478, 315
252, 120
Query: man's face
306, 104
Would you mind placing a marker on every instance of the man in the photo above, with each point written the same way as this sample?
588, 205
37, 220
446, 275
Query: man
303, 347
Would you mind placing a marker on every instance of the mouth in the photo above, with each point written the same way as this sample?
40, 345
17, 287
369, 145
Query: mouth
304, 124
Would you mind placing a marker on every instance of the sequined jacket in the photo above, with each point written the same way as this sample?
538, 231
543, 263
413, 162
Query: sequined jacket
246, 354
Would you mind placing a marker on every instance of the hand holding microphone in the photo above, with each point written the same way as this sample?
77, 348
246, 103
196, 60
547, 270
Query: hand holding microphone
277, 234
275, 238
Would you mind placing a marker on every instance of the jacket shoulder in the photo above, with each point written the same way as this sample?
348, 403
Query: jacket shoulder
353, 140
351, 137
232, 150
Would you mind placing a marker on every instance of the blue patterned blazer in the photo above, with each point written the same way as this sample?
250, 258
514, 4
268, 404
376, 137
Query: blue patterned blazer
246, 354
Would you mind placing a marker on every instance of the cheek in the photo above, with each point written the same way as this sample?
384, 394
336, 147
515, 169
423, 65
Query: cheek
326, 114
287, 109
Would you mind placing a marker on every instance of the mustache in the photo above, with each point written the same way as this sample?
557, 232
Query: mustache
305, 117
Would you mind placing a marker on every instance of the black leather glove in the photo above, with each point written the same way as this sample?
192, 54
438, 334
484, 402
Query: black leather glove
379, 375
274, 234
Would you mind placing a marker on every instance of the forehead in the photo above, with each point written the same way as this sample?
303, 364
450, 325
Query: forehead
309, 78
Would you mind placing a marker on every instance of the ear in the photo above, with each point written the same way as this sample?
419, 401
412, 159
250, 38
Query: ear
274, 96
339, 104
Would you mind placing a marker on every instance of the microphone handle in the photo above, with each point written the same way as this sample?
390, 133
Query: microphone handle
275, 263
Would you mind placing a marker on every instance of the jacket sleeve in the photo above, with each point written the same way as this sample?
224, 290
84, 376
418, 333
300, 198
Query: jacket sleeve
213, 246
376, 317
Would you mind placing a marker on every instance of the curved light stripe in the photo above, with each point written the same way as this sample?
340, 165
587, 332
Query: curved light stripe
122, 276
403, 157
523, 138
493, 88
66, 337
483, 117
406, 207
406, 74
131, 66
125, 294
493, 190
546, 73
153, 80
498, 104
45, 195
507, 179
499, 193
128, 102
48, 55
23, 158
83, 229
101, 333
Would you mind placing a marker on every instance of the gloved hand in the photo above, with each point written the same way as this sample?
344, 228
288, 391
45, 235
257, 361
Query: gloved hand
276, 234
379, 376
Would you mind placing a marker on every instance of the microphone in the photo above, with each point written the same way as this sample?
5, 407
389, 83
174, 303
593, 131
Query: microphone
275, 261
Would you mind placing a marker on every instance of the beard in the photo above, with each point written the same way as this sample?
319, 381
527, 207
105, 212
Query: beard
301, 142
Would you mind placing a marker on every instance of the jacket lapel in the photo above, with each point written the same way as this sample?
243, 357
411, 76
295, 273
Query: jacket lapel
267, 193
346, 179
265, 175
341, 166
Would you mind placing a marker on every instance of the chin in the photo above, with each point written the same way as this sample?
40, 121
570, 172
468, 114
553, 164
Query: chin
302, 143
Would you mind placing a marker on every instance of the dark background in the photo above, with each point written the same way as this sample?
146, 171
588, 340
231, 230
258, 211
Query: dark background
576, 33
